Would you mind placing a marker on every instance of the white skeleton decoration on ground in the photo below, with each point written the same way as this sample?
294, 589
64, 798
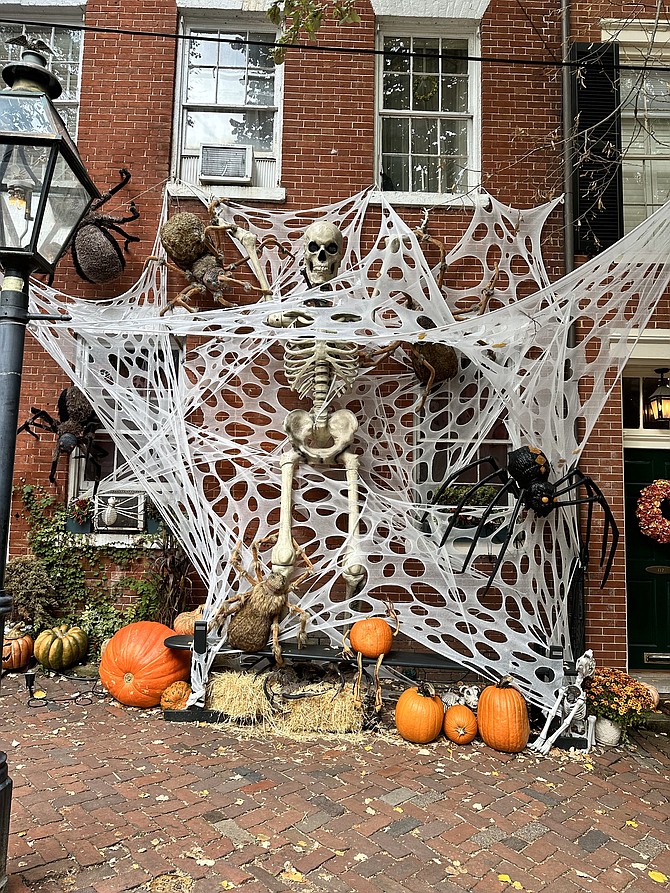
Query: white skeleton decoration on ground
321, 371
571, 704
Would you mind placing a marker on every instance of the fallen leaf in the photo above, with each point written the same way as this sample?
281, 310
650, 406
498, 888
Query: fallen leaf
631, 822
360, 857
162, 797
208, 862
227, 885
505, 878
658, 876
292, 874
398, 809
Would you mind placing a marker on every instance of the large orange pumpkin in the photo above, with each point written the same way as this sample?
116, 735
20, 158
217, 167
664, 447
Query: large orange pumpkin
460, 724
17, 648
136, 667
371, 637
184, 623
502, 716
419, 714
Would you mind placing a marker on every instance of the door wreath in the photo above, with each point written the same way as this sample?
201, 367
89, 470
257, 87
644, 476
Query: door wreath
652, 521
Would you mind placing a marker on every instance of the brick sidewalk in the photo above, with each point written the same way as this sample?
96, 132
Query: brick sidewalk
108, 799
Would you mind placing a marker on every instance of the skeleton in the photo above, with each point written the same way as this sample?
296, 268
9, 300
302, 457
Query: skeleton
322, 371
257, 612
462, 694
571, 705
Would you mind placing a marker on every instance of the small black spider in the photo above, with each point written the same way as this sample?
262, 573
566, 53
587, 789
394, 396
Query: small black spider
76, 426
96, 254
527, 479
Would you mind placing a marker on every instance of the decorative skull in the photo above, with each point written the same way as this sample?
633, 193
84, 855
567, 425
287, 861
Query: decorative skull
324, 249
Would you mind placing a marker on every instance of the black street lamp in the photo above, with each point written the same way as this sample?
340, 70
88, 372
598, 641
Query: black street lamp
45, 190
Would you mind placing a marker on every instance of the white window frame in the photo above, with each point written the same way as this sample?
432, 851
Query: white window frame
266, 175
391, 26
60, 13
80, 486
651, 351
641, 42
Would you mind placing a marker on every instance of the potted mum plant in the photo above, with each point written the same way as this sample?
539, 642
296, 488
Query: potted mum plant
619, 703
79, 515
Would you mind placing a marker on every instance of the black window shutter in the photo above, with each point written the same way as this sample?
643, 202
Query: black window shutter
597, 147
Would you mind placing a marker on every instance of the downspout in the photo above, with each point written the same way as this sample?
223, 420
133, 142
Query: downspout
576, 604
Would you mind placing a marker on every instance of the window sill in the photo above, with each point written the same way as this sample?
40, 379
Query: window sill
245, 193
117, 541
427, 199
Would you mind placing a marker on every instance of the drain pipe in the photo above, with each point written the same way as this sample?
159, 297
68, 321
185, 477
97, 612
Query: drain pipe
568, 147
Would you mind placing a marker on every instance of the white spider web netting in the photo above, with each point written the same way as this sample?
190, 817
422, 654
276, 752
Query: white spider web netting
196, 402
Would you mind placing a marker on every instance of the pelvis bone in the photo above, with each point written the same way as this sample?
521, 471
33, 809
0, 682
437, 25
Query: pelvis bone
322, 443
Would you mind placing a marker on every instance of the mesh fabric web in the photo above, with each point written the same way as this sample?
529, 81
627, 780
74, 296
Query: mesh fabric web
195, 403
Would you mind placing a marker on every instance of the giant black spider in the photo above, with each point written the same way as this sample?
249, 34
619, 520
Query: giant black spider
526, 477
75, 427
96, 254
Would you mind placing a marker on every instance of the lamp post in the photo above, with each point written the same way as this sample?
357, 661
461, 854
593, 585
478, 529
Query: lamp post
45, 190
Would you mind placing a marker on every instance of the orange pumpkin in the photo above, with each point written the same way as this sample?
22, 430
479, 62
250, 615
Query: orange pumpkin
371, 637
17, 648
136, 667
184, 623
460, 724
175, 696
419, 714
503, 717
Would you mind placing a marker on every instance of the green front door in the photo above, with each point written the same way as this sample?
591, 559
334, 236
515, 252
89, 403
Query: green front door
647, 568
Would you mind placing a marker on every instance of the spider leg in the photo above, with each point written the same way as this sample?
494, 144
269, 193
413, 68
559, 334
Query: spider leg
503, 548
105, 197
114, 226
610, 529
506, 488
456, 474
497, 472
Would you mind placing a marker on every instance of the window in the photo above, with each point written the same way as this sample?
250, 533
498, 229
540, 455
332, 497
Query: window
144, 373
428, 131
645, 133
65, 62
228, 120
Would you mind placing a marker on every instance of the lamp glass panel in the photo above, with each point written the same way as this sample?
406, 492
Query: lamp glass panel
25, 114
22, 175
66, 203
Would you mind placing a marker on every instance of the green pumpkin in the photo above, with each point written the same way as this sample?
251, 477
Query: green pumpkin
60, 647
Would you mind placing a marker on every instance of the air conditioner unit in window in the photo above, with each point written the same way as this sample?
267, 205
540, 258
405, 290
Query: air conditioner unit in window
119, 511
226, 164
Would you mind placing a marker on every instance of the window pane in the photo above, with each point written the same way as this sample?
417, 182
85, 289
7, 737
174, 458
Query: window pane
396, 91
425, 92
454, 94
230, 87
426, 58
395, 173
454, 56
631, 402
660, 171
425, 174
260, 56
232, 52
202, 52
396, 60
454, 138
201, 88
261, 90
395, 135
424, 136
252, 128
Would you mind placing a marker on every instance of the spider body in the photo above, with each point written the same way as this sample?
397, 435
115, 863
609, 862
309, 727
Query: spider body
75, 427
257, 612
527, 478
96, 254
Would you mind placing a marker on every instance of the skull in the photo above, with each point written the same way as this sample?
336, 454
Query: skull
324, 248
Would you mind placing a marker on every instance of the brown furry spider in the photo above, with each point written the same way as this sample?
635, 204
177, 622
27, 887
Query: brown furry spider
257, 612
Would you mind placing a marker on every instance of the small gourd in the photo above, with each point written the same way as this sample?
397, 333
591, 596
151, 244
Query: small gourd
61, 647
176, 696
184, 623
419, 714
503, 717
460, 724
17, 648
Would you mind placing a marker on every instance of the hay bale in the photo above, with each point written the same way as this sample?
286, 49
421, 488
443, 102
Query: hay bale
239, 695
331, 712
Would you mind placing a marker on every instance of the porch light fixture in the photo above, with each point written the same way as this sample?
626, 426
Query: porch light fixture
45, 190
658, 403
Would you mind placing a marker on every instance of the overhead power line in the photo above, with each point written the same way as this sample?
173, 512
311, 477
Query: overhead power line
324, 48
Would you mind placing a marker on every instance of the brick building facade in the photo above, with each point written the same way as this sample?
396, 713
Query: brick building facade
334, 120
